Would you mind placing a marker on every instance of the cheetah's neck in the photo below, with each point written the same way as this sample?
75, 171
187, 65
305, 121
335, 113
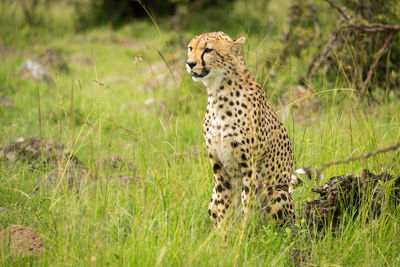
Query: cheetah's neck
216, 80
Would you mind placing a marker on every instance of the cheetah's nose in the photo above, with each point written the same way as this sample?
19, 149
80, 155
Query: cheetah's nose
191, 64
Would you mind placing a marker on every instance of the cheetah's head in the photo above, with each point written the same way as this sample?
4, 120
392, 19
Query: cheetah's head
213, 55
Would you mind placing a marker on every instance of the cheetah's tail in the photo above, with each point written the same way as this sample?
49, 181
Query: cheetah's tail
299, 175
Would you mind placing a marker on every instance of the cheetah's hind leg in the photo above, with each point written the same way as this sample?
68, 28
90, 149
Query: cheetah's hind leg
279, 208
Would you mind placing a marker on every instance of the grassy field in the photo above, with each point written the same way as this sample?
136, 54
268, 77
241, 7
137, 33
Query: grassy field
109, 103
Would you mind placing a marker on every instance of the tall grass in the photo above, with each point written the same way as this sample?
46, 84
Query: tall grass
161, 218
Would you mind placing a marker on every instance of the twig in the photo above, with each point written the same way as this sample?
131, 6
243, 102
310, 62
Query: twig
166, 63
338, 8
364, 156
373, 66
373, 27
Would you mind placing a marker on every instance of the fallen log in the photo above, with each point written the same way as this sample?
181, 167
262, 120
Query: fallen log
342, 193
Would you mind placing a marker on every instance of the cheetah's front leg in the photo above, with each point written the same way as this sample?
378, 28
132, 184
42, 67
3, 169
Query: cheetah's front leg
221, 196
247, 186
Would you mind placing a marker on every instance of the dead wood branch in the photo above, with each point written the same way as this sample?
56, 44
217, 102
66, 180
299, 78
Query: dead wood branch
29, 11
316, 174
341, 193
316, 62
383, 49
364, 156
372, 27
338, 8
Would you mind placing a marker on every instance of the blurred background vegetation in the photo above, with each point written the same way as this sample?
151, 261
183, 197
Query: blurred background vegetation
303, 30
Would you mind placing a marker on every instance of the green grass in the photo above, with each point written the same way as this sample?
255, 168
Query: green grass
162, 218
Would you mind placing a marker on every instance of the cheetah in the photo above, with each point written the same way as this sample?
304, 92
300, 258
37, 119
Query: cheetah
248, 146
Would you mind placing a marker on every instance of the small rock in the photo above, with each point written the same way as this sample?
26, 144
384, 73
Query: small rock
35, 71
52, 58
21, 241
19, 139
149, 101
272, 73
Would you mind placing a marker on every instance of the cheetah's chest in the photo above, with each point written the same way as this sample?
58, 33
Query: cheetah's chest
221, 143
220, 139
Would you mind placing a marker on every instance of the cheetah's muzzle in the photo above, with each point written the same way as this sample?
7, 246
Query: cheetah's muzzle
204, 73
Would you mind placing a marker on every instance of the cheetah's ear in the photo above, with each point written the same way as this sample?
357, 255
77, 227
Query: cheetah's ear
240, 41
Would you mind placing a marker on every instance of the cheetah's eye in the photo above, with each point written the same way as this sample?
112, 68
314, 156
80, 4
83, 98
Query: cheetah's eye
190, 48
208, 50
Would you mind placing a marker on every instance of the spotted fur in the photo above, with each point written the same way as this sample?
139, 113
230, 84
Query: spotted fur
248, 146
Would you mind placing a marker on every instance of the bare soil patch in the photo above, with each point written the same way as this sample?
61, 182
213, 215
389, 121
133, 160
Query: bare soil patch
21, 241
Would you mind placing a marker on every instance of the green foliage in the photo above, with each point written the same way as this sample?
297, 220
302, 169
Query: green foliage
93, 13
303, 28
350, 57
380, 11
116, 13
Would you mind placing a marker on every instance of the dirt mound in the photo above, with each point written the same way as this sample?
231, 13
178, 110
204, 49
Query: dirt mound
35, 149
69, 172
21, 241
66, 171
